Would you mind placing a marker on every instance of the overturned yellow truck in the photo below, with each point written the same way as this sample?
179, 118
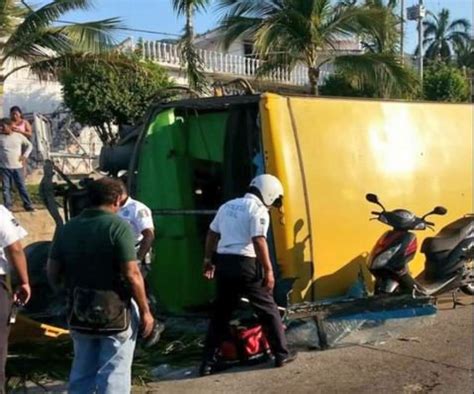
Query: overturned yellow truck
192, 155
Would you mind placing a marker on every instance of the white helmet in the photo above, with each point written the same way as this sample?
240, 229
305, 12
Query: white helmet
270, 188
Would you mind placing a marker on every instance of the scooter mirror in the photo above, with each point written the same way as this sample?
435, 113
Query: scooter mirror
440, 211
372, 198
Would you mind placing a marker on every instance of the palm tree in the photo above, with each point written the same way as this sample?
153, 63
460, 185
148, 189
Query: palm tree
381, 40
384, 36
291, 32
465, 54
442, 36
189, 56
34, 37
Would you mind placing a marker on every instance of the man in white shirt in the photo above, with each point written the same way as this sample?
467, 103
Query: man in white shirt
14, 150
238, 234
140, 218
11, 254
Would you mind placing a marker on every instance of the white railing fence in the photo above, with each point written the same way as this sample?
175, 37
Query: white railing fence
224, 63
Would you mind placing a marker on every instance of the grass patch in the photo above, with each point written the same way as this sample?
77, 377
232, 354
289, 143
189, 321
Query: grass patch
33, 191
51, 360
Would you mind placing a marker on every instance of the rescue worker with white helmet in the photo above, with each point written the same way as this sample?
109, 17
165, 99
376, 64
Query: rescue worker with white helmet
238, 235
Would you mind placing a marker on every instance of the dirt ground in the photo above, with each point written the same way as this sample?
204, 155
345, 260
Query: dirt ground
434, 359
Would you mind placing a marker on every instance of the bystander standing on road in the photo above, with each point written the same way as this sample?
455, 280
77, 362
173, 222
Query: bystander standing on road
238, 234
93, 256
11, 254
22, 126
14, 149
19, 123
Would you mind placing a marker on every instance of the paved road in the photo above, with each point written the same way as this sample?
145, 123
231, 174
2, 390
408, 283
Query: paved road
435, 359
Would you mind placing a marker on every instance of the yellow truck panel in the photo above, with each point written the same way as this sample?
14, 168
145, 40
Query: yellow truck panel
330, 152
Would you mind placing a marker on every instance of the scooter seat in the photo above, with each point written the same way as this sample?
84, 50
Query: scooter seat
449, 236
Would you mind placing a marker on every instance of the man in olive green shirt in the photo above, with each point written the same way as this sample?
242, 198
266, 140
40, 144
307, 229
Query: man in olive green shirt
94, 254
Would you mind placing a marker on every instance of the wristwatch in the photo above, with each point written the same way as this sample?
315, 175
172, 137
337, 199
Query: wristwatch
207, 260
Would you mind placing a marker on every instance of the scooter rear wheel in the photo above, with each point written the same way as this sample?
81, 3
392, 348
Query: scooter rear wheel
468, 289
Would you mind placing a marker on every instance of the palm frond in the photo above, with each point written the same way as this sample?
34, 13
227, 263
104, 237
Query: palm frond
10, 15
462, 24
444, 35
36, 20
235, 27
180, 6
93, 36
39, 38
384, 73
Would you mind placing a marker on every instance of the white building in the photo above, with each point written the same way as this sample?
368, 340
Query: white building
26, 91
238, 61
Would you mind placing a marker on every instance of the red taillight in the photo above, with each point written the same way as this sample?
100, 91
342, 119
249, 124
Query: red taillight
386, 240
412, 247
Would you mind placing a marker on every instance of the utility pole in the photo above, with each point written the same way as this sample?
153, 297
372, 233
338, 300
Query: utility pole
421, 16
417, 13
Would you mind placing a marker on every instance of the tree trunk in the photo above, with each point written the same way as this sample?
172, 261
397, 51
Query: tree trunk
190, 21
313, 76
2, 84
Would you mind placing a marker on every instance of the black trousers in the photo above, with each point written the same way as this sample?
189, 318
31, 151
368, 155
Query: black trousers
5, 309
236, 277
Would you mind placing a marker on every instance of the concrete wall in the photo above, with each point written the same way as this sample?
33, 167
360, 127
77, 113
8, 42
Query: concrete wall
31, 95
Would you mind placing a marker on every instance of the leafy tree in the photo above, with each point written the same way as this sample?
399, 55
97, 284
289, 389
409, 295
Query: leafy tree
442, 36
445, 83
291, 32
102, 92
189, 55
36, 36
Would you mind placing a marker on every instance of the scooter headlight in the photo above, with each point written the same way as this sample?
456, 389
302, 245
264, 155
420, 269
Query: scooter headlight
382, 259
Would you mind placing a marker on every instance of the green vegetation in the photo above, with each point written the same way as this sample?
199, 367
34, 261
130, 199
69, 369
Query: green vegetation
33, 190
445, 83
116, 89
289, 32
444, 38
38, 38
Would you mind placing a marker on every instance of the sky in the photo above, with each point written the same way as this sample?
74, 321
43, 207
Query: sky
158, 15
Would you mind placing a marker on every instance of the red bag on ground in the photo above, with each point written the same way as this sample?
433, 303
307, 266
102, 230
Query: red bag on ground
247, 344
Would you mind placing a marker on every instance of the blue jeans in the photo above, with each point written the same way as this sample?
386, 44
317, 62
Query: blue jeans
10, 177
103, 364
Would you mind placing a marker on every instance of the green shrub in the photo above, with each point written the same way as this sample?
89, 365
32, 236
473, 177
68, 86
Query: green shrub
445, 83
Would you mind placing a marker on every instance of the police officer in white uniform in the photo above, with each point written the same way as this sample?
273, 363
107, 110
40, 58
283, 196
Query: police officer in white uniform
139, 216
238, 234
11, 254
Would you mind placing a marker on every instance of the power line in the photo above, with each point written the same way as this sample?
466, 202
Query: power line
160, 33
